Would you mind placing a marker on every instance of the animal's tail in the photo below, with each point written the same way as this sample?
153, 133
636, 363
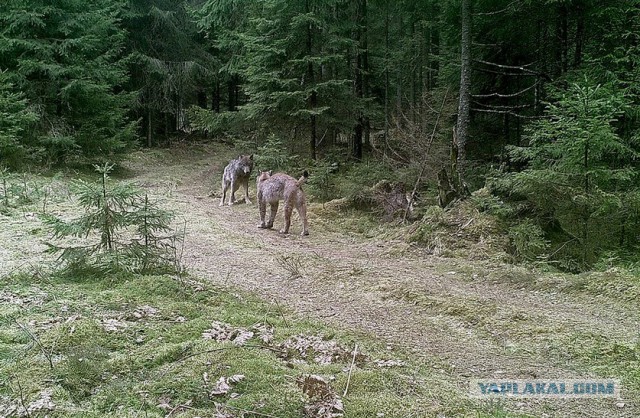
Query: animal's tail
304, 178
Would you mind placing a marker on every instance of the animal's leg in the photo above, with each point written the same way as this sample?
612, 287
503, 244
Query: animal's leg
302, 211
232, 197
225, 186
272, 215
246, 193
263, 211
288, 208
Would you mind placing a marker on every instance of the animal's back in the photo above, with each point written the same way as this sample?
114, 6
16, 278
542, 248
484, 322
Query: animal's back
273, 189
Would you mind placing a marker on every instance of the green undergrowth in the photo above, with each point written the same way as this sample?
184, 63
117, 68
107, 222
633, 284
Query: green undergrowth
133, 345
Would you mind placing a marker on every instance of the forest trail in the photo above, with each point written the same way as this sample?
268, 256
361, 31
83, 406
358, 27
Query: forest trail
447, 312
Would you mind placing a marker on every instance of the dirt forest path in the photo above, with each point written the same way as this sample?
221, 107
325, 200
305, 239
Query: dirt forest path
444, 311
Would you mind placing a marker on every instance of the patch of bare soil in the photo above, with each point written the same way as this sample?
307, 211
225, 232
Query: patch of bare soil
445, 311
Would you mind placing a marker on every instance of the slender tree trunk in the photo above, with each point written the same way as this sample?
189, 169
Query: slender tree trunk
314, 126
215, 97
236, 91
413, 66
564, 39
464, 103
149, 128
231, 104
399, 69
386, 74
202, 98
580, 29
361, 5
365, 73
178, 120
421, 59
313, 100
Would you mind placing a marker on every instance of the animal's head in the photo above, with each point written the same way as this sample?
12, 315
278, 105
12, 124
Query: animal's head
246, 163
264, 175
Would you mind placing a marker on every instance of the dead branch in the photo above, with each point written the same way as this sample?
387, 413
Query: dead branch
504, 96
504, 107
424, 164
247, 411
521, 68
23, 401
38, 343
353, 360
506, 9
215, 350
186, 405
505, 112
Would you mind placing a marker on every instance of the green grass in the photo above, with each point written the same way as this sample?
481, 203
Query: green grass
53, 336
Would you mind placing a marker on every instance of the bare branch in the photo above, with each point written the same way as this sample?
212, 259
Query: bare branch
505, 112
506, 9
504, 96
513, 107
35, 339
521, 68
424, 165
353, 360
486, 70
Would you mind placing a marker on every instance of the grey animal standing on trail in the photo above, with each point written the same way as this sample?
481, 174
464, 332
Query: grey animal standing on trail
237, 173
280, 186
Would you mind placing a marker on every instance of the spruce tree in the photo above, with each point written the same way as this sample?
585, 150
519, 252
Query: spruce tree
580, 172
121, 228
67, 59
293, 60
15, 117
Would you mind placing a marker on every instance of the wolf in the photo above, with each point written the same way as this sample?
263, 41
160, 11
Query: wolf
280, 186
237, 173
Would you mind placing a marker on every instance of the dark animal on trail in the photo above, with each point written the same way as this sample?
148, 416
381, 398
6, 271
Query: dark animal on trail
237, 173
280, 186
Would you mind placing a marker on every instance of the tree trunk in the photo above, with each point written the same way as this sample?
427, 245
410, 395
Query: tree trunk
231, 91
365, 74
386, 74
202, 98
564, 39
361, 6
149, 128
577, 58
399, 70
313, 99
215, 97
464, 103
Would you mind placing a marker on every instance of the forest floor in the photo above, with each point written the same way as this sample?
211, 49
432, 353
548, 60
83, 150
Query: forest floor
462, 318
473, 319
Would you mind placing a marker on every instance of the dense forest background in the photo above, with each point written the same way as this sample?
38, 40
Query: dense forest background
536, 101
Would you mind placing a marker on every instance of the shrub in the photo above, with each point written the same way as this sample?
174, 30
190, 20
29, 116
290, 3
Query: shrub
527, 241
128, 225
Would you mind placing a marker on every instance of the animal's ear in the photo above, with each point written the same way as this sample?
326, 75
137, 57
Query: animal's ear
251, 157
270, 172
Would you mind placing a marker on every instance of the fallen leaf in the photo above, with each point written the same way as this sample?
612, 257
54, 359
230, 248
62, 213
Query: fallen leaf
323, 402
242, 336
223, 384
111, 324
